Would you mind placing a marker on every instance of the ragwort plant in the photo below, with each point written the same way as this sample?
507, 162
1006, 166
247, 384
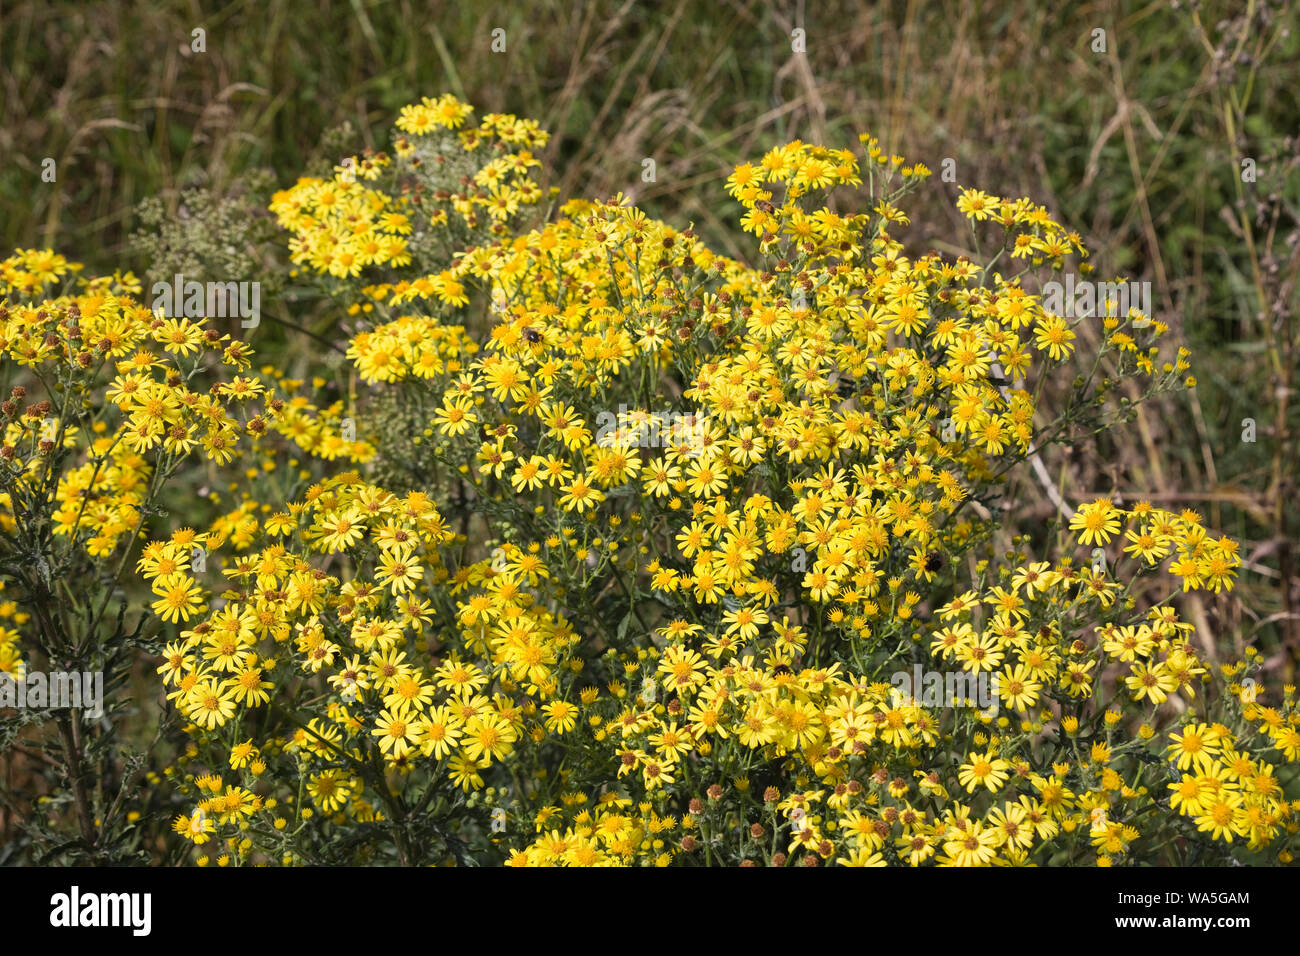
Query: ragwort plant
105, 407
635, 588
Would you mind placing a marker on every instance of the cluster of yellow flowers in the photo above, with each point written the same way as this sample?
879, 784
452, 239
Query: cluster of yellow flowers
411, 346
1228, 793
277, 598
342, 226
829, 727
111, 428
103, 405
320, 431
708, 513
1202, 561
284, 619
482, 175
498, 151
27, 271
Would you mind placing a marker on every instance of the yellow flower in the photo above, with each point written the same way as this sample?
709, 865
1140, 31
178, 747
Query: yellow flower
1097, 521
561, 716
987, 770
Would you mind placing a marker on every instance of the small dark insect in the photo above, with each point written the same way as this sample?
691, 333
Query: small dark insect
781, 669
532, 335
933, 561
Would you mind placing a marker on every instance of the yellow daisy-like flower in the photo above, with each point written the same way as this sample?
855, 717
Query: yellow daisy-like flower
1097, 522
